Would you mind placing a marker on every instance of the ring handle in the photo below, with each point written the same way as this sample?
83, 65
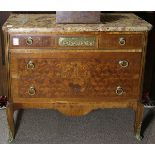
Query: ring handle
123, 63
122, 41
31, 91
29, 41
119, 90
30, 65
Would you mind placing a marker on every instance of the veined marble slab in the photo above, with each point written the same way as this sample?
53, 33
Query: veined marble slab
25, 23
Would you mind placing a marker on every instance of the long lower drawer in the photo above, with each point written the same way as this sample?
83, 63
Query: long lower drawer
83, 75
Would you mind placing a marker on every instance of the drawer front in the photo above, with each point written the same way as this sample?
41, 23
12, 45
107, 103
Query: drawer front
95, 75
32, 41
78, 41
121, 41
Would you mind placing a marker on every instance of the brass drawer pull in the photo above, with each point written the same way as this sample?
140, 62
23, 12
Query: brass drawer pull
122, 41
30, 65
119, 90
29, 41
123, 63
31, 91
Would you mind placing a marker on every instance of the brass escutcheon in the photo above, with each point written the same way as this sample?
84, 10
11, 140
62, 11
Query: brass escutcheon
31, 91
119, 90
123, 63
30, 65
29, 41
122, 41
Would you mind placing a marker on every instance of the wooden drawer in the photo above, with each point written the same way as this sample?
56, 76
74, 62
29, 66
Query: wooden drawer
62, 74
121, 41
78, 41
31, 41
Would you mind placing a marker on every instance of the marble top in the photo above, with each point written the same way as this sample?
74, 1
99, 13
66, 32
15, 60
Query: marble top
25, 23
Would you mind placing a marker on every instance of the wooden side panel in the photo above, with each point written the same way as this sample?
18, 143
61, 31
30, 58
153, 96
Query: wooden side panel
3, 82
1, 66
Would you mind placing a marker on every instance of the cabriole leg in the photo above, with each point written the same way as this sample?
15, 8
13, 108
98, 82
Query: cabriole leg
138, 120
10, 118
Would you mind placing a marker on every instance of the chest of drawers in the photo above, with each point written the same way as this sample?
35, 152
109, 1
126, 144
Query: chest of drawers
75, 68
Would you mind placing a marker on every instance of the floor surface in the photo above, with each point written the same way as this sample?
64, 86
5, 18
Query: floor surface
109, 126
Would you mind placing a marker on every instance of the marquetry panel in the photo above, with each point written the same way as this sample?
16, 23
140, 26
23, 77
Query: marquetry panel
90, 75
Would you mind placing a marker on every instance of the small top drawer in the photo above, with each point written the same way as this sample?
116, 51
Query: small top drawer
121, 41
31, 41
